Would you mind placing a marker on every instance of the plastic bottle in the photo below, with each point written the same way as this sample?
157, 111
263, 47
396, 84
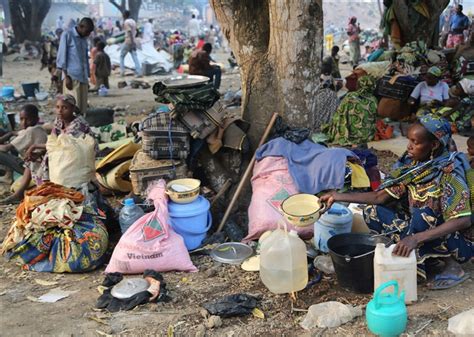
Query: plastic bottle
129, 214
283, 264
389, 267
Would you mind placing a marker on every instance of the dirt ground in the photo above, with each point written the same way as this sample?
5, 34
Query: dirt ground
182, 316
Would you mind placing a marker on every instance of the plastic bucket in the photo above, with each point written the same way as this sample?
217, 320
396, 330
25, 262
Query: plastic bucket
337, 220
353, 259
8, 92
30, 88
191, 221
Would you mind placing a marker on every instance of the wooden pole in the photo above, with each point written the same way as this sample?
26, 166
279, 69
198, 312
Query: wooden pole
247, 173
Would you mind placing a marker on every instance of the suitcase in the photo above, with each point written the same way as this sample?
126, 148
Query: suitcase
202, 124
145, 170
164, 138
400, 90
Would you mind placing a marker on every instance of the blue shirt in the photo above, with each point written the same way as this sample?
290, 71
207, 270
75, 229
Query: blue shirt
72, 56
458, 23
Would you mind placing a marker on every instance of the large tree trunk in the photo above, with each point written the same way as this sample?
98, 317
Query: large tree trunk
278, 45
27, 17
133, 7
415, 26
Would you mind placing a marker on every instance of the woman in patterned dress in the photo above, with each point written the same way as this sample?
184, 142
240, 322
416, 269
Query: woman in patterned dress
354, 121
434, 187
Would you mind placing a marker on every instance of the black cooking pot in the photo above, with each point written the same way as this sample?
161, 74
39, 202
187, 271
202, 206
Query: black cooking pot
353, 259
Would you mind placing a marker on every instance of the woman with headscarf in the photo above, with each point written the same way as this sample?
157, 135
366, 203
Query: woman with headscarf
68, 121
432, 92
353, 31
353, 122
435, 187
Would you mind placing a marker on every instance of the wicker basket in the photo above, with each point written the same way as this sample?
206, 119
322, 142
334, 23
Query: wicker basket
145, 170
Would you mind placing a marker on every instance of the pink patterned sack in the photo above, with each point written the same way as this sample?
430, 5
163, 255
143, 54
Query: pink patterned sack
271, 184
151, 243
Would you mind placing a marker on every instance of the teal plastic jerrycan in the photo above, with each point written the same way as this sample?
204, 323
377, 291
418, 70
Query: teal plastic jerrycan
386, 313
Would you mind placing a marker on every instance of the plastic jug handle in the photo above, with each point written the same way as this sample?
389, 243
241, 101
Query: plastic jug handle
383, 287
282, 223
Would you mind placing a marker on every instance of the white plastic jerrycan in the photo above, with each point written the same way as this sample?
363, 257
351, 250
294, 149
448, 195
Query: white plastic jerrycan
283, 264
389, 267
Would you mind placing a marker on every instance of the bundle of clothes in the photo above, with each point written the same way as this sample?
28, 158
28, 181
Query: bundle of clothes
57, 229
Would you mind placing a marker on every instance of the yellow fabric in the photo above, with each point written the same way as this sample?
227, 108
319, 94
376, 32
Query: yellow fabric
359, 178
114, 179
125, 151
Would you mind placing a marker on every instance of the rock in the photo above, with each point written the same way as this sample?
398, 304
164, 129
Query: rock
213, 322
204, 313
211, 272
201, 330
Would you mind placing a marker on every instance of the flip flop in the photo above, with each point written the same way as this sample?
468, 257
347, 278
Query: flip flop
448, 281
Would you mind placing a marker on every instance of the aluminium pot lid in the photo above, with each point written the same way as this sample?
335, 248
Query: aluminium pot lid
231, 252
129, 287
185, 81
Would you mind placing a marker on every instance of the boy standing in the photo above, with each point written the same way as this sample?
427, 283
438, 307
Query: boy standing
103, 67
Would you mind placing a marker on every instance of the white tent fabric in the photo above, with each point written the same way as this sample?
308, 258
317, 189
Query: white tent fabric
147, 54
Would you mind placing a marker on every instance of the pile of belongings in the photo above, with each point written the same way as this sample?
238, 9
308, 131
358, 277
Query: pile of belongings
209, 121
165, 147
285, 168
57, 230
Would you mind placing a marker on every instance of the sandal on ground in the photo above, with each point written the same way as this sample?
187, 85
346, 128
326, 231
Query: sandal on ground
447, 281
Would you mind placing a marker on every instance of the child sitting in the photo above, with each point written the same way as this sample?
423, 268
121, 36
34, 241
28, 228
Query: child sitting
13, 153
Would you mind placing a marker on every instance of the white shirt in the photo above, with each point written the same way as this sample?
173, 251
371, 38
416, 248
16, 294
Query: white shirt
148, 34
194, 28
426, 94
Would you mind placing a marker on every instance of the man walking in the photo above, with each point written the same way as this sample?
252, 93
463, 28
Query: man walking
130, 44
73, 62
457, 25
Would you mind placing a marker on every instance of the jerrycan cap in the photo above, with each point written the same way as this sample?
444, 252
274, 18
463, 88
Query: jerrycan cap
293, 233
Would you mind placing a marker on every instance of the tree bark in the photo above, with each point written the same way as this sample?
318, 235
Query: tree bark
415, 26
27, 17
133, 6
278, 45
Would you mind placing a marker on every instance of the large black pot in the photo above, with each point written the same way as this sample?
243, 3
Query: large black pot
353, 259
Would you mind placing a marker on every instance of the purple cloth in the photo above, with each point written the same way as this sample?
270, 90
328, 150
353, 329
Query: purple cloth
313, 167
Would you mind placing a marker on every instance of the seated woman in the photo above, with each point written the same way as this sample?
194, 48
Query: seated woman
435, 183
353, 122
36, 157
431, 92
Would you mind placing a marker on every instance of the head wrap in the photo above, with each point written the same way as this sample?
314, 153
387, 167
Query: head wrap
467, 86
365, 83
435, 71
352, 18
439, 127
68, 99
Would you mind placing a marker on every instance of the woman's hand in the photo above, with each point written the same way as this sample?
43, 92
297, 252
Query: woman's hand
328, 199
405, 246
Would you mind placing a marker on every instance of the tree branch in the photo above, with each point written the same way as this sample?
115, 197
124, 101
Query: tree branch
121, 7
